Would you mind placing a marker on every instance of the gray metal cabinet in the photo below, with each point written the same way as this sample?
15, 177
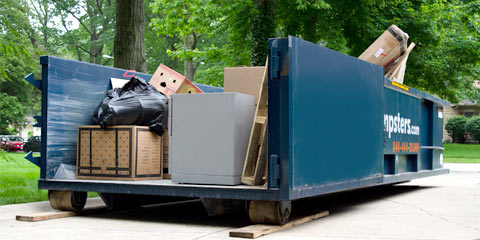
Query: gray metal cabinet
209, 136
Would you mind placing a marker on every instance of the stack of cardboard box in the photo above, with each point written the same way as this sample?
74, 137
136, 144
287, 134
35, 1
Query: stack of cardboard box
390, 51
129, 152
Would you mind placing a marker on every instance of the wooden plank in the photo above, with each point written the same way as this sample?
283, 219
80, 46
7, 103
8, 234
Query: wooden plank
260, 119
258, 230
35, 217
262, 157
255, 158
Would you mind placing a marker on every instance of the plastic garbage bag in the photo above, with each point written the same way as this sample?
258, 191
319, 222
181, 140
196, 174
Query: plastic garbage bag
136, 103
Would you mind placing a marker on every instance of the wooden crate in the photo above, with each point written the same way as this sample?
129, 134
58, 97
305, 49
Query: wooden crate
119, 152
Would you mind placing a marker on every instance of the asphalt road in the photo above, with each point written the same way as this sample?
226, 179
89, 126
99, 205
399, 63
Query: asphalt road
441, 207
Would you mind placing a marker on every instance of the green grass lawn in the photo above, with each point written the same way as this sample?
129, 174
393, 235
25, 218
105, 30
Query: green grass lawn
19, 180
461, 153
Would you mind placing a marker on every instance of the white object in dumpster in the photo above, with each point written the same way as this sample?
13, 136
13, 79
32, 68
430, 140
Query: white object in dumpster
118, 82
209, 136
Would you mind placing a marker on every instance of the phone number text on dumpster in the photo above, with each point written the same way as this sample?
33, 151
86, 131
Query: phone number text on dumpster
405, 147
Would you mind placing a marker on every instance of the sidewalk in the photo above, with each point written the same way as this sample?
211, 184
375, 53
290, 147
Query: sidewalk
462, 167
443, 207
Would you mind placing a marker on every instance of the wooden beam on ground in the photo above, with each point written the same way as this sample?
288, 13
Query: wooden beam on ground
258, 230
42, 216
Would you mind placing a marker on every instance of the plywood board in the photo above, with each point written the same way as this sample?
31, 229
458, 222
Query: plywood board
258, 230
35, 217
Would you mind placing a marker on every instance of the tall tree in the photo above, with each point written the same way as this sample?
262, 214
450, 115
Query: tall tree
18, 57
192, 22
94, 18
263, 28
129, 49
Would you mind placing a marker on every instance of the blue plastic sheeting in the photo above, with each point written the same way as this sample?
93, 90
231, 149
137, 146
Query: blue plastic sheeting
73, 90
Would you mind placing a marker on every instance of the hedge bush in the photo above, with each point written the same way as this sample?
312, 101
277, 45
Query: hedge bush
473, 127
456, 127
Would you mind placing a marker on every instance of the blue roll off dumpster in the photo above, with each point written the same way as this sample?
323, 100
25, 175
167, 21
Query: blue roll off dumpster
335, 124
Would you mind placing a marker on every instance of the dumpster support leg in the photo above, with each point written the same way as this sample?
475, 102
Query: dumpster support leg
269, 212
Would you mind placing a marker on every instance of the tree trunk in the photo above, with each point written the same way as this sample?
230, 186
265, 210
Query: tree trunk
262, 28
190, 42
96, 49
128, 47
189, 70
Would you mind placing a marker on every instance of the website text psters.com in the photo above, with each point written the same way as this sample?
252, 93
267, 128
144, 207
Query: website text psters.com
398, 124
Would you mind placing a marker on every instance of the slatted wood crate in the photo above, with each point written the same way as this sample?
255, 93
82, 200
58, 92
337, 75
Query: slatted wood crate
119, 152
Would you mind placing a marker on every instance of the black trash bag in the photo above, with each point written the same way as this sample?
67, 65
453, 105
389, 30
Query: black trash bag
136, 103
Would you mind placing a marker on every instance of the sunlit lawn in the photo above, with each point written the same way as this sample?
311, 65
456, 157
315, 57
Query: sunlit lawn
19, 180
461, 153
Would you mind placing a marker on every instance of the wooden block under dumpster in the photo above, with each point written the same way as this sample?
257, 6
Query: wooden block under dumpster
119, 152
388, 47
247, 80
170, 82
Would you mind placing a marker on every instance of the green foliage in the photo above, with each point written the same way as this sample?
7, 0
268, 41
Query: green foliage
94, 36
18, 99
456, 128
473, 127
190, 21
203, 33
12, 113
445, 60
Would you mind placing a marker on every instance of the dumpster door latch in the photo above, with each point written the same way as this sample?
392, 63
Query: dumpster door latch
274, 61
274, 168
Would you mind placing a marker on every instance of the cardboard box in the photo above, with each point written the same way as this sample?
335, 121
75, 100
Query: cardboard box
170, 82
166, 171
388, 47
208, 146
245, 80
119, 152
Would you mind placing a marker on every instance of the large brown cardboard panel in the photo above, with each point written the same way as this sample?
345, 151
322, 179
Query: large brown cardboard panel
388, 47
148, 153
245, 80
119, 152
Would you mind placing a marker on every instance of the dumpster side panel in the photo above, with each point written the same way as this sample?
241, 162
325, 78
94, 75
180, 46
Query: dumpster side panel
401, 123
74, 91
432, 136
336, 120
437, 154
426, 135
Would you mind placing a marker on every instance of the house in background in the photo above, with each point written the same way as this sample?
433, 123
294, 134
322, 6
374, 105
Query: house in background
35, 131
466, 108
